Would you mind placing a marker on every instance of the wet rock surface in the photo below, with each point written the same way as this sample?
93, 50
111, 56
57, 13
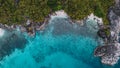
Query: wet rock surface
106, 49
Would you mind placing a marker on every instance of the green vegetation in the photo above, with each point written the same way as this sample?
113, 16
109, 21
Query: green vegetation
17, 11
107, 32
78, 9
13, 12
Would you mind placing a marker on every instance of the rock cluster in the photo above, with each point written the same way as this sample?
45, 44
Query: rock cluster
29, 27
110, 51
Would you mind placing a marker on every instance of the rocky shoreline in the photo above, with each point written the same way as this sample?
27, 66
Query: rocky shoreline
31, 27
110, 50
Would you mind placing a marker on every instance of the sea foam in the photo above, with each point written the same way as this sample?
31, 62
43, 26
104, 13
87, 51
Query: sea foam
1, 32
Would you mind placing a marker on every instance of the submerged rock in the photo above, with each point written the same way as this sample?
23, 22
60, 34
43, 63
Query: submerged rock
11, 41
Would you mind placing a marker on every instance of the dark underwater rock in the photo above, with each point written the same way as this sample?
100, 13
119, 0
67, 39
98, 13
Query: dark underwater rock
11, 42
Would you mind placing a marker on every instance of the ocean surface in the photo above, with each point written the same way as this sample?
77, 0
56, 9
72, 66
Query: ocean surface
60, 45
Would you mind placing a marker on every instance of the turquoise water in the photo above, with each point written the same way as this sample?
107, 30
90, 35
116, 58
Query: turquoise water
60, 45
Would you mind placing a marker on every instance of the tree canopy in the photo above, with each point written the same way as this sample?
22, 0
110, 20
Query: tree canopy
16, 11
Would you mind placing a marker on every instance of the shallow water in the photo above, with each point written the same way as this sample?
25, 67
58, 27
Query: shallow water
60, 45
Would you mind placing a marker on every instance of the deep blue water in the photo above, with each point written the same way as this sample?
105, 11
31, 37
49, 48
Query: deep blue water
60, 45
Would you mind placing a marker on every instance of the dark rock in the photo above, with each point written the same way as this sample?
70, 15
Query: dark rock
102, 33
106, 49
116, 8
109, 53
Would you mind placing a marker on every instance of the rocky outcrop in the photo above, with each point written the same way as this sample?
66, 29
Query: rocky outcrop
110, 51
